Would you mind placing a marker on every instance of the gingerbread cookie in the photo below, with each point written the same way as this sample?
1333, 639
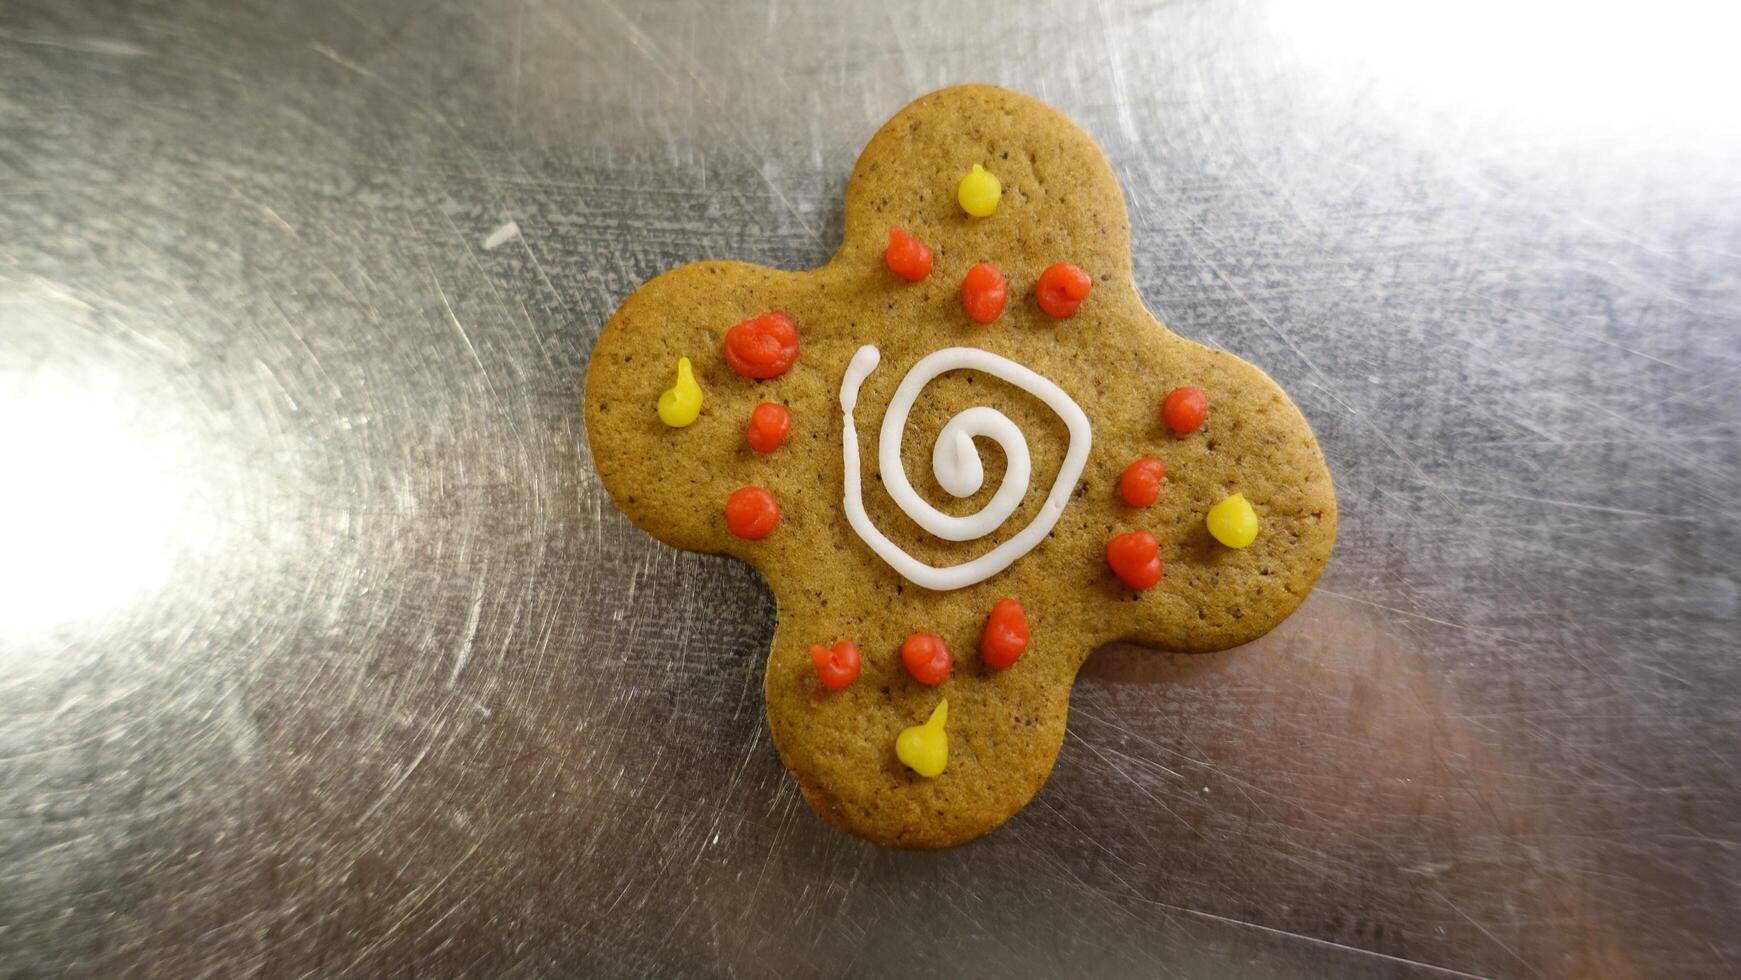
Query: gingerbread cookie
963, 455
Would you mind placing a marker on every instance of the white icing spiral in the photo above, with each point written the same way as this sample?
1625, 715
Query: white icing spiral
956, 464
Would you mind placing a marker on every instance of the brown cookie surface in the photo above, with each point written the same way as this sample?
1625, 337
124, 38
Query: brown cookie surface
1060, 203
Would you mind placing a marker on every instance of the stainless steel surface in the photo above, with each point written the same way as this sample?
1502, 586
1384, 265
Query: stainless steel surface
322, 652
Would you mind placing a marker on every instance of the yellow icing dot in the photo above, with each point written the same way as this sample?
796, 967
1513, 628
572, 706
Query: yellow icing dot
979, 192
925, 748
681, 403
1233, 522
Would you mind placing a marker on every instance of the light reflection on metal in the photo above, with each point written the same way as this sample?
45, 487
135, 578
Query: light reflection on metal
95, 501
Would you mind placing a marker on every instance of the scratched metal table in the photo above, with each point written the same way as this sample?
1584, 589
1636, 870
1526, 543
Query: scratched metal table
322, 652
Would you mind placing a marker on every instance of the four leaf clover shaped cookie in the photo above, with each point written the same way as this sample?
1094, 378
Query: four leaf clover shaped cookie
964, 456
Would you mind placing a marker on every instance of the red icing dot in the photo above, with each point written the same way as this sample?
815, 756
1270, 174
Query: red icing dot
1005, 635
1134, 557
982, 292
769, 424
1184, 409
838, 667
927, 659
1062, 288
1140, 484
909, 257
763, 346
750, 512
